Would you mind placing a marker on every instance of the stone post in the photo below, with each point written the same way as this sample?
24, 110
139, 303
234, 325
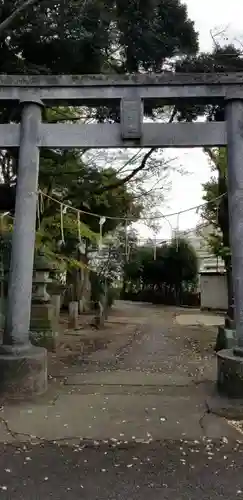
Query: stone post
73, 315
56, 290
56, 302
230, 361
23, 368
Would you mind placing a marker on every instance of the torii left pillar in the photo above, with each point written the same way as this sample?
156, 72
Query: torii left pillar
23, 367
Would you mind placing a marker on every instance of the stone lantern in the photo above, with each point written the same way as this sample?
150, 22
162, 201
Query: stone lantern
43, 325
41, 279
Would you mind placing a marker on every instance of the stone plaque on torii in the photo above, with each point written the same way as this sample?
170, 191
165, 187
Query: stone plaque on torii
23, 367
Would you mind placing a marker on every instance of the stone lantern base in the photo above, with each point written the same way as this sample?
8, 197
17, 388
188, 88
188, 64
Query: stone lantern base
43, 325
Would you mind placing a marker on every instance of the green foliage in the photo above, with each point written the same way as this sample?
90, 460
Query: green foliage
134, 269
95, 36
88, 37
152, 32
175, 267
90, 190
215, 212
220, 60
82, 37
181, 262
102, 290
5, 247
67, 176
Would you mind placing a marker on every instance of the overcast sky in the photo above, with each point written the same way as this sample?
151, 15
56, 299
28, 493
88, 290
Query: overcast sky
209, 16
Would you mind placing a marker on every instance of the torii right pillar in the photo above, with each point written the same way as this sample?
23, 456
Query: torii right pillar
230, 361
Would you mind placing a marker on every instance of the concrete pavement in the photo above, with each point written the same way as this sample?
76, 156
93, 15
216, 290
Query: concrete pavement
156, 388
170, 470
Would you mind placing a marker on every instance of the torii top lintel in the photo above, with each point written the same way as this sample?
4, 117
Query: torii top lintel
168, 87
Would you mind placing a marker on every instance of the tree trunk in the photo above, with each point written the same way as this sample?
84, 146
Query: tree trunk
85, 292
78, 285
73, 315
124, 287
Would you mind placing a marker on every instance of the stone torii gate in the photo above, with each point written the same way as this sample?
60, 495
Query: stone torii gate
23, 368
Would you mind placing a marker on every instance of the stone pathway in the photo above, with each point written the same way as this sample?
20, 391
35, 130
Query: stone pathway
155, 388
132, 424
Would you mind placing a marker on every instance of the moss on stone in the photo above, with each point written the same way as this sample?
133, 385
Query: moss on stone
46, 339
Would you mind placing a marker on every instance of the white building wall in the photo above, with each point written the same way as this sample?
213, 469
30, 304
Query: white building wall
213, 289
198, 239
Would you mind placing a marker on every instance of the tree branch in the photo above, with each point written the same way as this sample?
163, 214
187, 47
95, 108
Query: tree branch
10, 19
212, 156
129, 177
142, 165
